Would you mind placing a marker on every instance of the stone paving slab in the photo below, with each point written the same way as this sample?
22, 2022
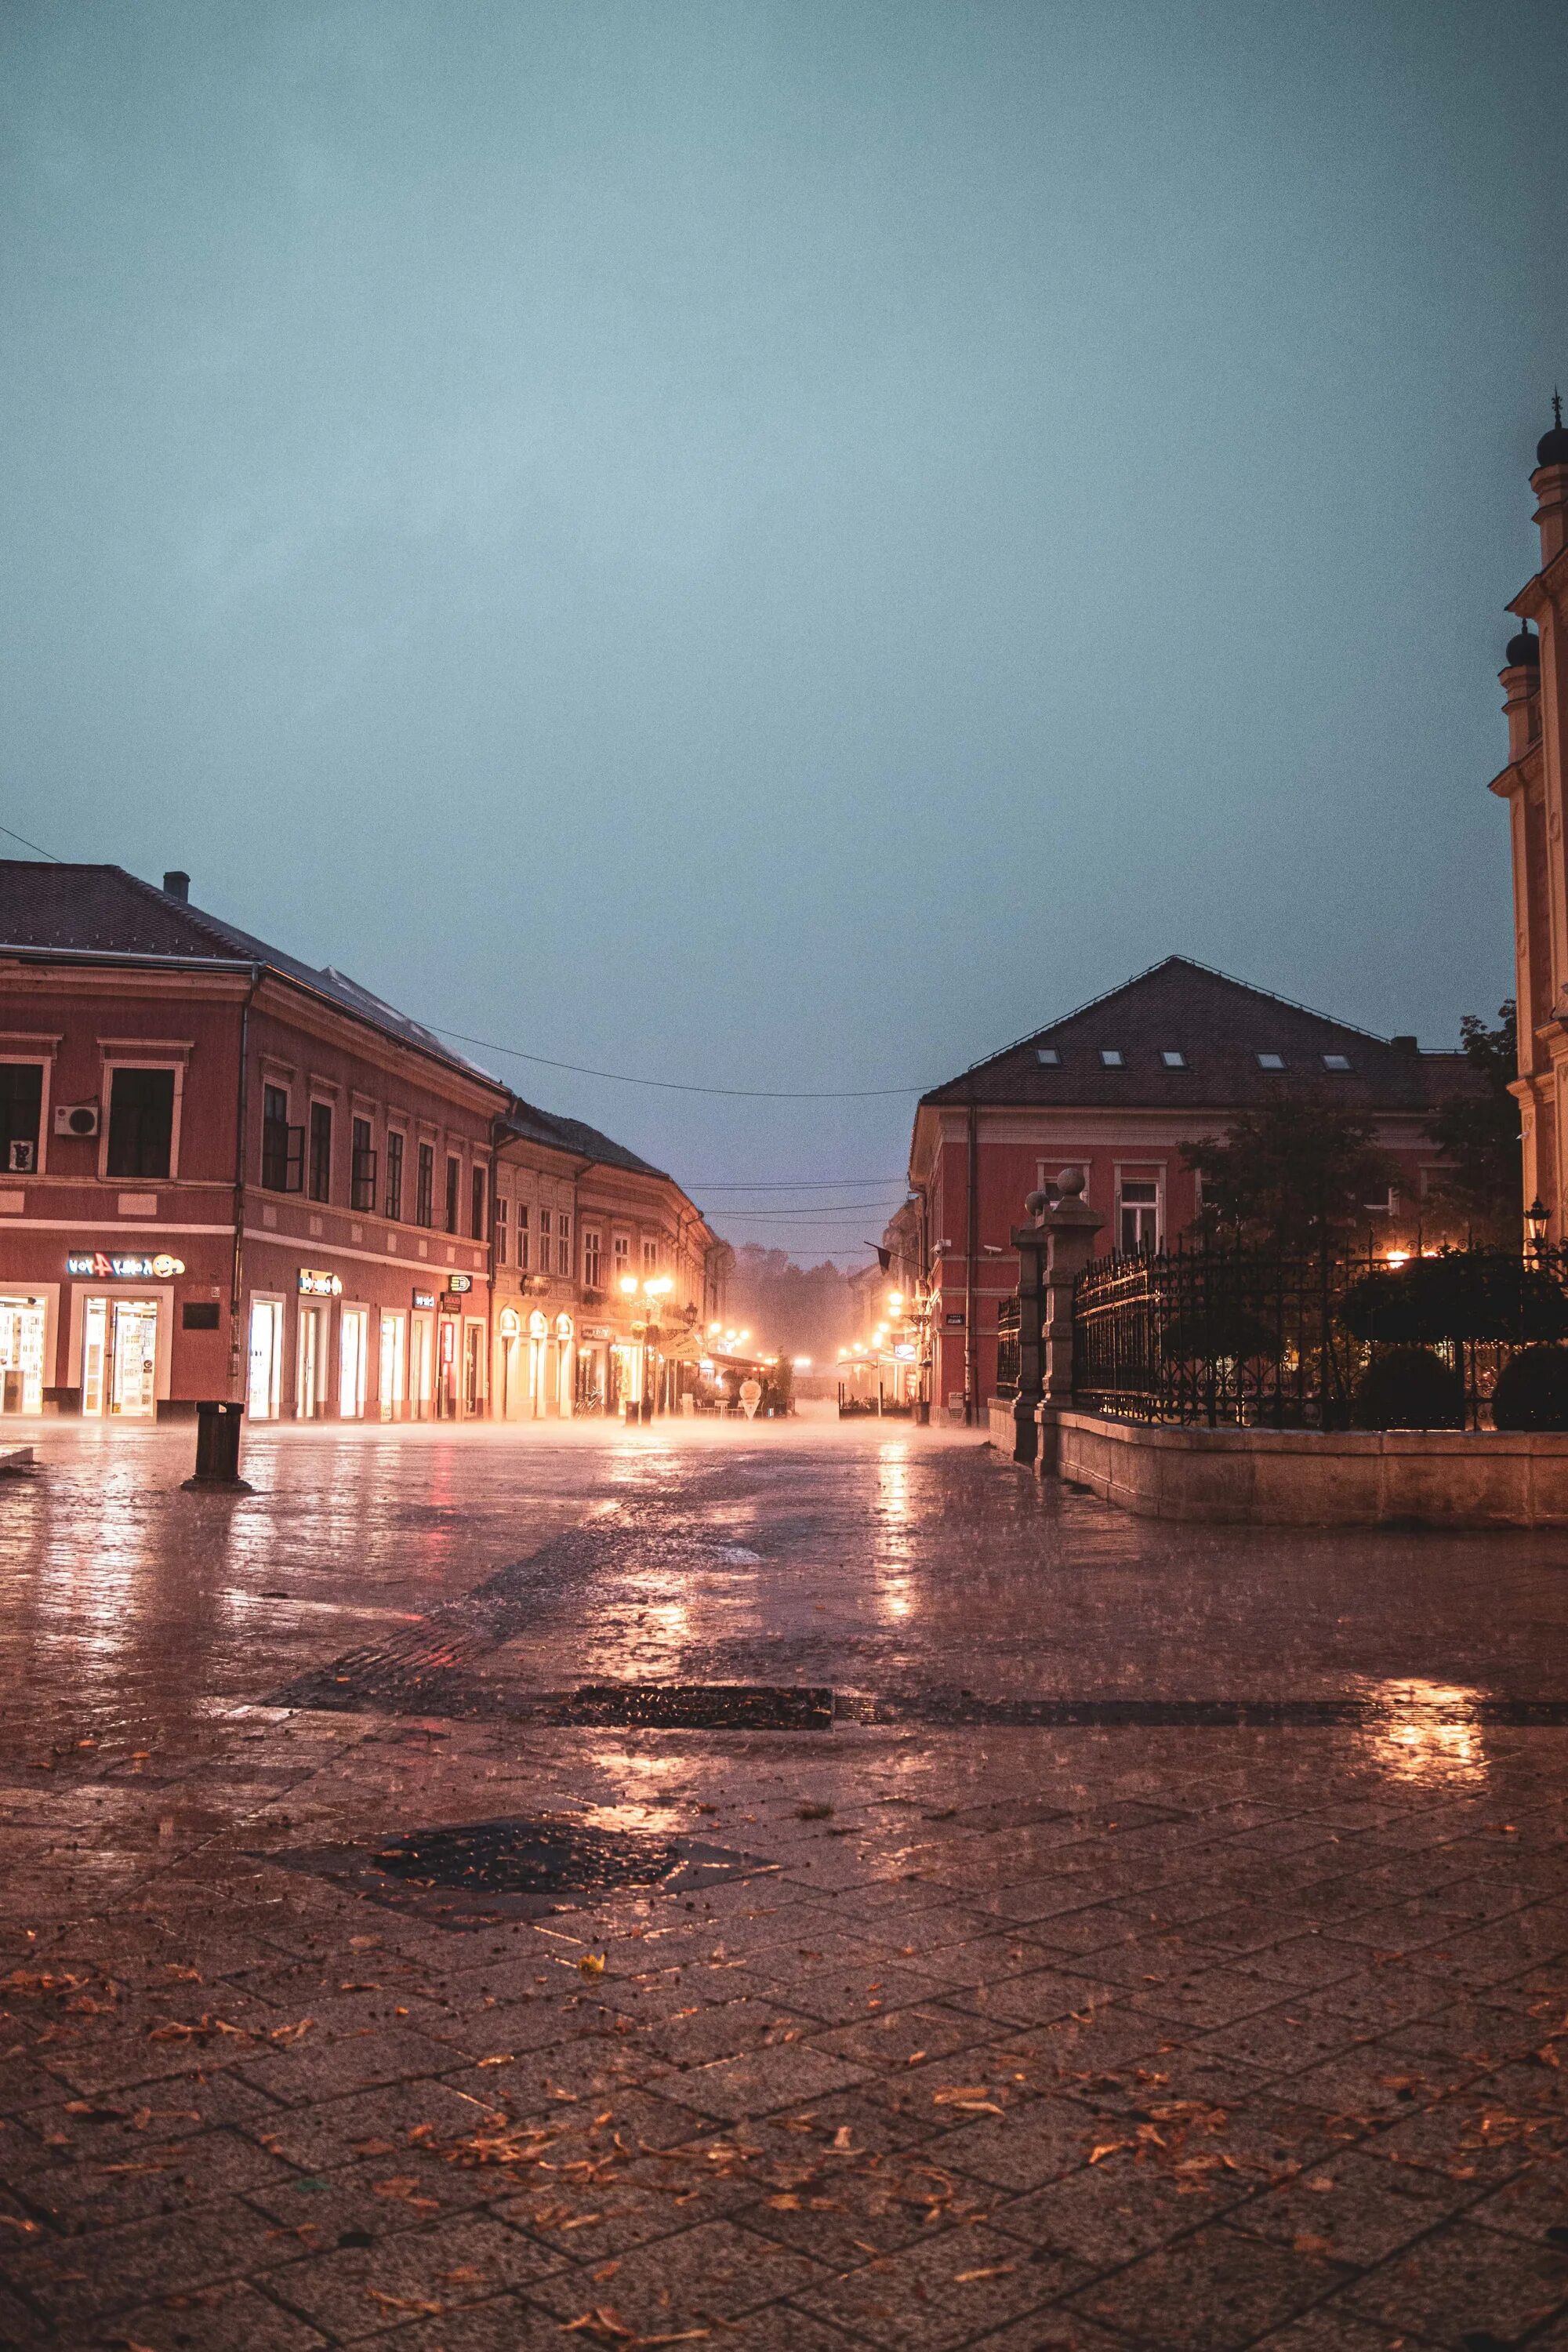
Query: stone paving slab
1160, 2027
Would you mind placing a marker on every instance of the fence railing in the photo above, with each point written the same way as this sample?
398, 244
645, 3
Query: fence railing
1217, 1336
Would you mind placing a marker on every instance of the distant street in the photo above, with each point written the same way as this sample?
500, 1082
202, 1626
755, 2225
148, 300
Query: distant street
1132, 1934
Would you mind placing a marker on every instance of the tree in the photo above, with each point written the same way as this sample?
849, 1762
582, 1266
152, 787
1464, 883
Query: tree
1296, 1174
1478, 1132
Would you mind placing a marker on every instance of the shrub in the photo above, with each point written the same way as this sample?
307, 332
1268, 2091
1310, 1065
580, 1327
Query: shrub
1456, 1295
1409, 1388
1531, 1391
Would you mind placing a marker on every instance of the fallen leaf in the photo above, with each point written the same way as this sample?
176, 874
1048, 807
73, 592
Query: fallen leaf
994, 2270
1307, 2245
403, 2303
592, 1964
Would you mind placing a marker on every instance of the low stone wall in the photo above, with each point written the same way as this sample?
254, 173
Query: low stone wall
1302, 1477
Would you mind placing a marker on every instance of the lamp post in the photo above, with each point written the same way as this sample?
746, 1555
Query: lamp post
655, 1289
1537, 1217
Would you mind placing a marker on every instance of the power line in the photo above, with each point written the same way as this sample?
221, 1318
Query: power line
680, 1085
32, 845
620, 1077
806, 1185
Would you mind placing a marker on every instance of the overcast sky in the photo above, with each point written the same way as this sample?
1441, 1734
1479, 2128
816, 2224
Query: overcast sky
782, 545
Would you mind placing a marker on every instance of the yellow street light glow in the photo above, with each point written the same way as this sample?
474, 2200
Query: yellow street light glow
895, 1297
803, 1363
714, 1329
629, 1285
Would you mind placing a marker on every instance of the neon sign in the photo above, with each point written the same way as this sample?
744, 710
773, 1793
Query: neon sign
459, 1282
316, 1285
120, 1268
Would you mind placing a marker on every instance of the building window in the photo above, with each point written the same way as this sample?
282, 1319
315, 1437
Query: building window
1271, 1061
282, 1146
1048, 1055
1139, 1219
651, 1256
1172, 1059
21, 1102
362, 1172
477, 1203
546, 1230
141, 1122
623, 1258
1112, 1058
1336, 1061
501, 1216
563, 1245
321, 1152
424, 1186
454, 1178
522, 1239
593, 1266
395, 1175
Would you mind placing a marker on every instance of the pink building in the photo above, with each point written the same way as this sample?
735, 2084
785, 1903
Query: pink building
1116, 1088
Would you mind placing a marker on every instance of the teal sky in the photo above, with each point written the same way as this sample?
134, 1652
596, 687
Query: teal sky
781, 545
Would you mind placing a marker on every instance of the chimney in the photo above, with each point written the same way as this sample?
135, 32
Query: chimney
1406, 1045
178, 886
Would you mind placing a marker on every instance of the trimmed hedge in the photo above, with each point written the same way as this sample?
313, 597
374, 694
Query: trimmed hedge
1409, 1388
1531, 1391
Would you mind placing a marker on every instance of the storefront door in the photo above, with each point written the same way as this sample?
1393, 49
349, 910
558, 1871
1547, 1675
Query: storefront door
447, 1367
309, 1392
264, 1389
421, 1383
22, 1322
353, 1361
473, 1369
133, 1357
392, 1346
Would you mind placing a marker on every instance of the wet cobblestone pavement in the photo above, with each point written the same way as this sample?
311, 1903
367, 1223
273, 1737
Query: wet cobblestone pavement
1160, 1937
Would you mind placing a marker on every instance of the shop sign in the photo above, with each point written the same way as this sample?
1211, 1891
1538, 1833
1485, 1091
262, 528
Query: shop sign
954, 1322
313, 1284
449, 1303
120, 1268
424, 1299
598, 1331
459, 1282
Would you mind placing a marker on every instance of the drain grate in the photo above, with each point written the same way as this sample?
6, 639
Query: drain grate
479, 1874
705, 1707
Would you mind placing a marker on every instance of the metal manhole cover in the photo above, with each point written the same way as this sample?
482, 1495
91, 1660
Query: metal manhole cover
705, 1707
475, 1873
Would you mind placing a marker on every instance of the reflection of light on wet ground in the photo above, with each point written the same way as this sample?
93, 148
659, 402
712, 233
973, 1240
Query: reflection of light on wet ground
895, 1584
1429, 1734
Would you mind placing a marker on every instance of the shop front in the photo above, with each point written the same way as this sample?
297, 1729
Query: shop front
122, 1332
27, 1345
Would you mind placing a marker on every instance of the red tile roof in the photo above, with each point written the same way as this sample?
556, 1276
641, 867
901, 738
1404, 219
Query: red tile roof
1220, 1026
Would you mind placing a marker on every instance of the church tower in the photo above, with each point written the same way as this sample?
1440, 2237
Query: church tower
1535, 785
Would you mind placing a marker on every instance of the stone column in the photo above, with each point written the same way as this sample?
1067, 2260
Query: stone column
1032, 1243
1070, 1226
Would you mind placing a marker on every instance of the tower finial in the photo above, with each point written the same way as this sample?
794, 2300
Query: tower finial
1557, 410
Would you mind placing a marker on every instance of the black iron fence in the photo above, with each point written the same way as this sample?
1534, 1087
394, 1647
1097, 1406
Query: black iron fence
1007, 1367
1210, 1335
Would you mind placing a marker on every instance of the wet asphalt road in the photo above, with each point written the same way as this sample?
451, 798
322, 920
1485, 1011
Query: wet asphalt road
1130, 2031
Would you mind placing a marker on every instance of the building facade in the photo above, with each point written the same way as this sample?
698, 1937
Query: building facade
226, 1175
1535, 702
605, 1275
1116, 1088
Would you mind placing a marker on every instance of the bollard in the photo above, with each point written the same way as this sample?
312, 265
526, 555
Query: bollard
217, 1451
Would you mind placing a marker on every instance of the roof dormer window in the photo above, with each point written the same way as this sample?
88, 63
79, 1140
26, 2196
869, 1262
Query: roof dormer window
1172, 1059
1336, 1061
1271, 1061
1111, 1059
1048, 1056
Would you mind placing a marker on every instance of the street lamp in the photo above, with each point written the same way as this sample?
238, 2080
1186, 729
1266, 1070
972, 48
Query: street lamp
1538, 1216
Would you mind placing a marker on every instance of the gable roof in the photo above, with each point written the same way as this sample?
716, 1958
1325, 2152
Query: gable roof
574, 1135
84, 910
1220, 1026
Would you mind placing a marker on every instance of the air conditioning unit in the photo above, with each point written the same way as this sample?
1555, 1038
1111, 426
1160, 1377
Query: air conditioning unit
21, 1159
76, 1119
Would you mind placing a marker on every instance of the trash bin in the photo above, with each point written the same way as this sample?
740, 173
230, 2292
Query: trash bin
217, 1445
